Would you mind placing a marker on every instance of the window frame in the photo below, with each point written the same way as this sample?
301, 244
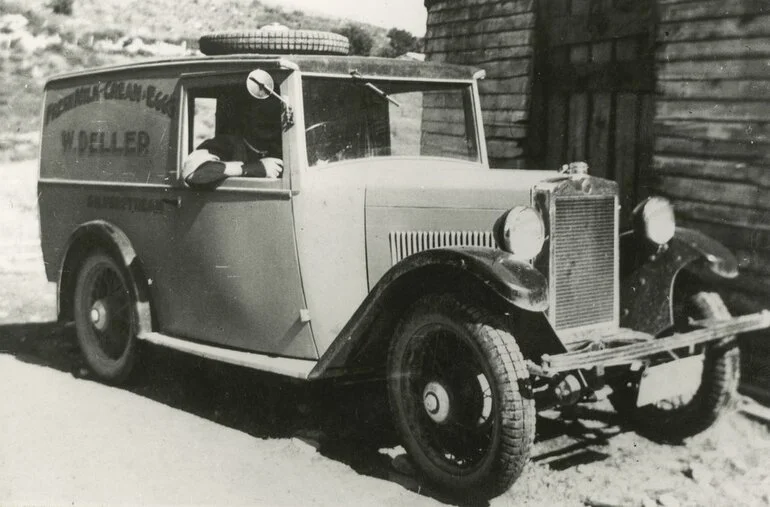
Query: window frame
473, 118
191, 82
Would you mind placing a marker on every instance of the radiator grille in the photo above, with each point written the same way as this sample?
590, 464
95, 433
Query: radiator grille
583, 262
406, 243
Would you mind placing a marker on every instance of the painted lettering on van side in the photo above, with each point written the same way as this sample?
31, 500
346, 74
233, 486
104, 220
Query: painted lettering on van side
130, 142
151, 96
121, 203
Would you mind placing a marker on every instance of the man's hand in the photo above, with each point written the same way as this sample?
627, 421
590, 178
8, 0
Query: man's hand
268, 167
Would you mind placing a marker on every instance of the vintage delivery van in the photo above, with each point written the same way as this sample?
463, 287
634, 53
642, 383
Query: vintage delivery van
386, 249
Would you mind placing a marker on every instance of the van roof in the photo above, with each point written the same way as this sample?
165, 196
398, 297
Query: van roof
315, 64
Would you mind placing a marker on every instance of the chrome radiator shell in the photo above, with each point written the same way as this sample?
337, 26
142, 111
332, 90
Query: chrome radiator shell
580, 257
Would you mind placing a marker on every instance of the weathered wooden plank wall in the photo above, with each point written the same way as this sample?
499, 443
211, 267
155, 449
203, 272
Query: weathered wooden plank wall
498, 36
712, 141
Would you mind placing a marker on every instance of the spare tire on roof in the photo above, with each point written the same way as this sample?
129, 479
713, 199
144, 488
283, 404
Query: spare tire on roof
275, 40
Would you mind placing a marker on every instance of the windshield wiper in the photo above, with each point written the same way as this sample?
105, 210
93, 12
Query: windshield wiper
357, 75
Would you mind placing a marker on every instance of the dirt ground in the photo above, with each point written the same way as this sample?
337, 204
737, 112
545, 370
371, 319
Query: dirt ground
190, 431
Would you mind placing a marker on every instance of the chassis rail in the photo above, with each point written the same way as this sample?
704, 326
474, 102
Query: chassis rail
625, 354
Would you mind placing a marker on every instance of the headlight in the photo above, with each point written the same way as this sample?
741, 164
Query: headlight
520, 231
656, 217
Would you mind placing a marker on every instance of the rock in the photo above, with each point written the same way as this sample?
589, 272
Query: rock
304, 446
739, 465
310, 438
698, 473
600, 501
10, 23
732, 490
646, 501
403, 465
668, 500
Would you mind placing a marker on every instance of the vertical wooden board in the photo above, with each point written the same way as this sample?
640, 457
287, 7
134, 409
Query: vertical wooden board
625, 152
644, 150
557, 130
603, 5
556, 137
552, 8
580, 6
599, 136
580, 53
536, 135
626, 49
601, 52
577, 123
599, 130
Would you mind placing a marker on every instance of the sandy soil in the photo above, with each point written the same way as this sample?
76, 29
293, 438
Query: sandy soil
193, 432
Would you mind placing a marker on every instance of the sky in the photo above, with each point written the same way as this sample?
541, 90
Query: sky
405, 14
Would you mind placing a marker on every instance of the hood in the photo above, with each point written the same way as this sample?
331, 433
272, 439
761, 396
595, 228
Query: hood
442, 184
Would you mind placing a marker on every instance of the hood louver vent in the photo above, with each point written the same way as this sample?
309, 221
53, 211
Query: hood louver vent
406, 243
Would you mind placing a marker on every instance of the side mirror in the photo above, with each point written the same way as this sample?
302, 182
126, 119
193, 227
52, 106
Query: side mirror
261, 85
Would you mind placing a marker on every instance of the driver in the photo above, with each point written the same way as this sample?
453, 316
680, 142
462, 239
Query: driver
247, 144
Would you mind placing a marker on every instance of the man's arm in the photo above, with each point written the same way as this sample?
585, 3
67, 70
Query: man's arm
202, 168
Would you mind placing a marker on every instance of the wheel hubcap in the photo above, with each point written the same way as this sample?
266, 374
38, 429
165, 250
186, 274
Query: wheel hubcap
99, 315
436, 401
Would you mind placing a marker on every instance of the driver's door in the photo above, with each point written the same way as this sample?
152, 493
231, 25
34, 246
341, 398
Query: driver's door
232, 274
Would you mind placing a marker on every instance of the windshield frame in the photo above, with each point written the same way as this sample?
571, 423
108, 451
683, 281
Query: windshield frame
473, 119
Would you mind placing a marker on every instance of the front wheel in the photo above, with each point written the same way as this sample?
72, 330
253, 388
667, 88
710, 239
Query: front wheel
687, 415
105, 319
458, 389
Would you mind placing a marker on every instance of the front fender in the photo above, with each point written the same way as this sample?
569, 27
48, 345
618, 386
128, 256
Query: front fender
719, 259
647, 284
498, 272
514, 280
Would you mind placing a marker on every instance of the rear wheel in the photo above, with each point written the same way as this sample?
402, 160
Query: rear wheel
677, 418
105, 319
457, 385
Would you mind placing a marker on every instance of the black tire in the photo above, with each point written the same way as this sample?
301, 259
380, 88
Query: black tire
105, 318
677, 419
480, 445
298, 42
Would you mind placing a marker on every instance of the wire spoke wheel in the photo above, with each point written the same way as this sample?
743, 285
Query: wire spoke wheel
453, 380
104, 318
447, 390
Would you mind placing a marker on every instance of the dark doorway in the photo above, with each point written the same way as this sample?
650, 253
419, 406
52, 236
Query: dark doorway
593, 94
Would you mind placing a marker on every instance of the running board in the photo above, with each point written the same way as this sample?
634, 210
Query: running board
290, 367
625, 354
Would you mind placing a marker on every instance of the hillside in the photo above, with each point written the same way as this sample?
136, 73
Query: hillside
101, 32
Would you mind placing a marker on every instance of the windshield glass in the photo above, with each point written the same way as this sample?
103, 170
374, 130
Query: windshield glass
352, 118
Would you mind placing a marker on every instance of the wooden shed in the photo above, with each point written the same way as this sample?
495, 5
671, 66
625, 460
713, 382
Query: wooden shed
667, 97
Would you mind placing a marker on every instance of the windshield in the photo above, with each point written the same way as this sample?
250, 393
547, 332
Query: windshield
353, 118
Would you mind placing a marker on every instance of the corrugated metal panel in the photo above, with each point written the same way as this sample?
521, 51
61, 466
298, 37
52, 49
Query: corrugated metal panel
583, 263
406, 243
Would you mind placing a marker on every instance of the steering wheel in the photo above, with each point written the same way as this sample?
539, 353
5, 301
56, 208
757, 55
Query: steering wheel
326, 142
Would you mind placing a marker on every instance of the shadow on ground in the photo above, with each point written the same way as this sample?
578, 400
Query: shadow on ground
349, 423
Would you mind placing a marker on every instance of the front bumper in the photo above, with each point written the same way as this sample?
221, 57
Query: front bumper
626, 346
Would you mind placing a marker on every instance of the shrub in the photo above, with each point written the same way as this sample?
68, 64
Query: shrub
361, 42
400, 42
62, 6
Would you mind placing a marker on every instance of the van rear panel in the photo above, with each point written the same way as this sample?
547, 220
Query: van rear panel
105, 138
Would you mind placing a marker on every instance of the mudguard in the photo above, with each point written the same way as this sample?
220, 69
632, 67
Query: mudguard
647, 284
104, 235
719, 259
515, 281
